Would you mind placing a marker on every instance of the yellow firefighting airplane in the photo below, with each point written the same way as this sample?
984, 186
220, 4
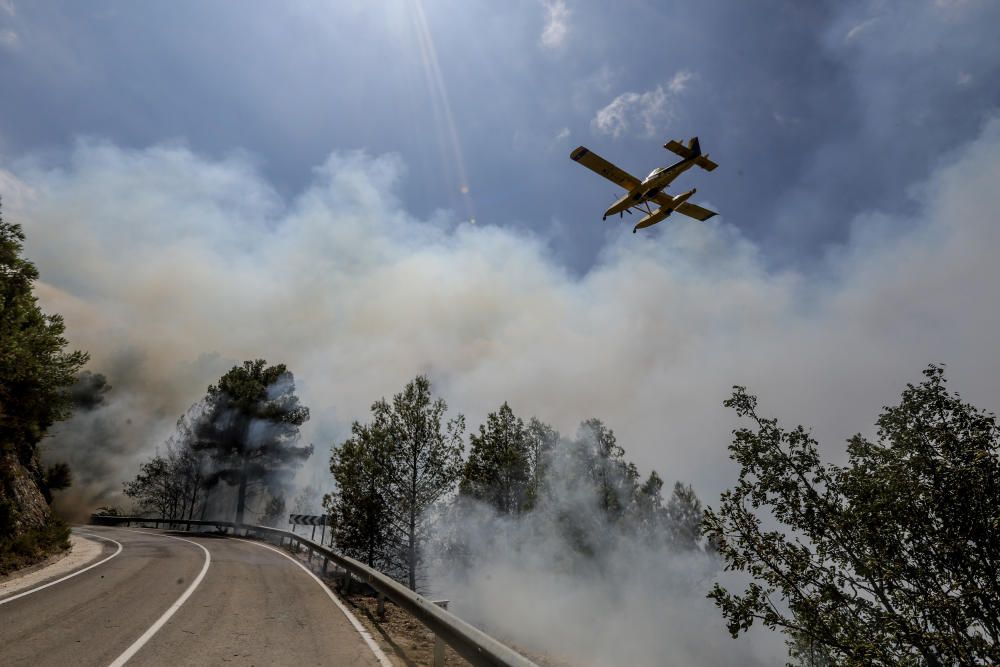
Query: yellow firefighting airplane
641, 193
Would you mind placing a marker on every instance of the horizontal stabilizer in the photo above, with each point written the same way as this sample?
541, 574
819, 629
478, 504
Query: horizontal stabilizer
693, 150
675, 146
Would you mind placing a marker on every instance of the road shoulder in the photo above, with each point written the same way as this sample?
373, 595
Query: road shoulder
82, 551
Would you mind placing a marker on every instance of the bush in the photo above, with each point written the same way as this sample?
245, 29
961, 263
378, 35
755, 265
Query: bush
33, 546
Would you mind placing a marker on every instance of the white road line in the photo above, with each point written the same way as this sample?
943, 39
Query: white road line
161, 621
68, 576
382, 657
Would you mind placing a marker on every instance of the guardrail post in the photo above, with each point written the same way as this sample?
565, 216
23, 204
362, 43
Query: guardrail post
381, 606
438, 642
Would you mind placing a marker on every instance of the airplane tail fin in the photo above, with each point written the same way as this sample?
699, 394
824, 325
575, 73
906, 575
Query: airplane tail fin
692, 150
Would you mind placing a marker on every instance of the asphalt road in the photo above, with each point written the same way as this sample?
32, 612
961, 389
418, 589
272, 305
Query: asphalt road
181, 599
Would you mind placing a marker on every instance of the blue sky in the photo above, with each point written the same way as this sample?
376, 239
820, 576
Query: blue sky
816, 111
203, 183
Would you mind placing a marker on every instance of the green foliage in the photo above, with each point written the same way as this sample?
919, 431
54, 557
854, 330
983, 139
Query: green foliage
390, 473
32, 545
361, 506
498, 471
890, 560
34, 365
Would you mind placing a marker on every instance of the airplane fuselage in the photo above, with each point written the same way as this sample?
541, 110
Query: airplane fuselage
650, 186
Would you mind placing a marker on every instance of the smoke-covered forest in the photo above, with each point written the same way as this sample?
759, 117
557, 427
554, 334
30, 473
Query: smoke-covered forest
559, 543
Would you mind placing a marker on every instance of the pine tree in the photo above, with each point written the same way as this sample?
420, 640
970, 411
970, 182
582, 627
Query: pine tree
498, 471
360, 506
684, 516
426, 459
251, 427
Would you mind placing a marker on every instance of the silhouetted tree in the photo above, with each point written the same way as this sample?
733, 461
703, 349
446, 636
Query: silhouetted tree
648, 516
251, 426
891, 560
155, 488
684, 517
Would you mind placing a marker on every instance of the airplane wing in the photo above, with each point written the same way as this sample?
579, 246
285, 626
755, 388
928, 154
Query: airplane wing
690, 210
695, 211
596, 163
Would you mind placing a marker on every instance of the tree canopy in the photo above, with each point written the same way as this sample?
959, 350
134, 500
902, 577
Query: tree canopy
890, 560
498, 470
250, 427
35, 366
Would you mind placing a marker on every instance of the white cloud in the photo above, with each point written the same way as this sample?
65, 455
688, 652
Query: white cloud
679, 81
648, 110
556, 24
7, 6
563, 134
859, 28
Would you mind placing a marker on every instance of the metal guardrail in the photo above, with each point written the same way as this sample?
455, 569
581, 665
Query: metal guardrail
468, 641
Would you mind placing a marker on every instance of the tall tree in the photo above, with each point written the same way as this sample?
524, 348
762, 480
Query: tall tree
648, 515
251, 426
684, 517
361, 504
891, 560
498, 470
35, 370
614, 477
426, 459
35, 367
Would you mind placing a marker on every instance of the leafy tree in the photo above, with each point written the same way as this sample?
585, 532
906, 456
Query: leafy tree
361, 504
425, 462
498, 470
35, 367
891, 560
155, 488
251, 426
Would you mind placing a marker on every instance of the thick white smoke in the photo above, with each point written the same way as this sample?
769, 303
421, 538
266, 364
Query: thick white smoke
169, 267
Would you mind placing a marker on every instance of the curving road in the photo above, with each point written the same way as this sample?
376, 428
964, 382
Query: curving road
181, 599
